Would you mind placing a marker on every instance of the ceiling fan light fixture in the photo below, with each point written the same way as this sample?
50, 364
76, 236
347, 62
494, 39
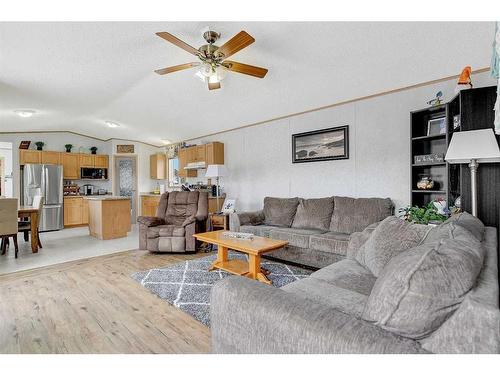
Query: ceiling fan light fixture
25, 113
112, 124
206, 70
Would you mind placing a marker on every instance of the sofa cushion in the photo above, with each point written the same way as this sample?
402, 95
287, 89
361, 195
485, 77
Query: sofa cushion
355, 214
450, 229
358, 239
171, 244
181, 204
330, 242
391, 237
258, 230
345, 300
295, 236
420, 288
469, 222
314, 213
280, 211
172, 231
347, 274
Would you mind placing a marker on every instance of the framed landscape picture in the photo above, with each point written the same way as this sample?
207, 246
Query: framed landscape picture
321, 145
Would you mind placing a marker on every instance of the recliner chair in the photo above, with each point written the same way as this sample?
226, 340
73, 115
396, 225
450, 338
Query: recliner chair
180, 214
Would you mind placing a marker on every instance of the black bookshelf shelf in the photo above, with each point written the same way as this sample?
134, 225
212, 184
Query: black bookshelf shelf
428, 191
429, 137
440, 164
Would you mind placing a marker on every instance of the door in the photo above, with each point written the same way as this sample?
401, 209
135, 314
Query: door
52, 191
71, 166
30, 156
87, 160
32, 182
51, 157
101, 161
125, 173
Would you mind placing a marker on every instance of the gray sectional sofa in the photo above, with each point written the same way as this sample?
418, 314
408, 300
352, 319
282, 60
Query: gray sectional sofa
317, 230
402, 288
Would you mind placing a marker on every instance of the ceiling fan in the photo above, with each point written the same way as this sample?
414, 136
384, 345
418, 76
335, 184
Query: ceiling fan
213, 64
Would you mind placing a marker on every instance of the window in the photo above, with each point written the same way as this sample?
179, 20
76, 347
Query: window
173, 172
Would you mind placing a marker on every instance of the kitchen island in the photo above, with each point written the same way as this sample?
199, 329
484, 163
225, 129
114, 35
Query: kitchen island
109, 216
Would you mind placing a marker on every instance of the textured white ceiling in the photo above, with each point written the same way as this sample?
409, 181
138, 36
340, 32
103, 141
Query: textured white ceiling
77, 75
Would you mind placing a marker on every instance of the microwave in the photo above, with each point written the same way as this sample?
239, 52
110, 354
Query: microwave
93, 173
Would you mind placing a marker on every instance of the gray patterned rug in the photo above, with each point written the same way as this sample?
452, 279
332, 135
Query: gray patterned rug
187, 285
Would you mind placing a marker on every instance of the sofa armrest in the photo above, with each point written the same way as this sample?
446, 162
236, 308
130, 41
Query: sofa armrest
150, 221
250, 317
245, 218
188, 220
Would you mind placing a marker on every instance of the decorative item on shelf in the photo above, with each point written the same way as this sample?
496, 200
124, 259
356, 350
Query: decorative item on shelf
68, 147
217, 171
436, 126
437, 100
172, 150
456, 122
473, 147
229, 206
423, 215
93, 150
124, 149
321, 145
458, 202
464, 80
441, 206
429, 158
24, 145
39, 145
425, 183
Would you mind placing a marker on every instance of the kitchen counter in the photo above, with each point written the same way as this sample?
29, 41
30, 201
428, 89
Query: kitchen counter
149, 195
109, 217
105, 198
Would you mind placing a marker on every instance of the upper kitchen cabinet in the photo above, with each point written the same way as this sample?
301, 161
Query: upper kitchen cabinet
51, 157
71, 165
214, 153
158, 166
87, 160
101, 161
184, 154
30, 157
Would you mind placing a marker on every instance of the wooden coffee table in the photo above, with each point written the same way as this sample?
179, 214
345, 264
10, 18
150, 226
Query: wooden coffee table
253, 248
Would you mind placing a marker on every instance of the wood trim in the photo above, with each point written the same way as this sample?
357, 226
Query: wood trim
383, 93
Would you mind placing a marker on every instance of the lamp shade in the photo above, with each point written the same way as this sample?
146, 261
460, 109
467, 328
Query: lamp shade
480, 145
217, 170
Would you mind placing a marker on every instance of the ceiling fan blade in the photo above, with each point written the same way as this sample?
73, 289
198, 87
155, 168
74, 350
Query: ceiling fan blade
213, 86
235, 44
179, 43
176, 68
251, 70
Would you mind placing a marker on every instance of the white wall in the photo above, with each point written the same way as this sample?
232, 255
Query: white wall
6, 154
259, 157
56, 142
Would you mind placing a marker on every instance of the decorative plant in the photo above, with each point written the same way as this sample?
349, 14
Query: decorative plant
423, 215
39, 145
68, 147
93, 149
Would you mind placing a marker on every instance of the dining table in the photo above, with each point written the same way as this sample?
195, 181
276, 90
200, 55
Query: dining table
31, 213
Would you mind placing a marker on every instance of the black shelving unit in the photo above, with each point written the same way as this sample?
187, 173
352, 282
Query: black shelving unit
421, 143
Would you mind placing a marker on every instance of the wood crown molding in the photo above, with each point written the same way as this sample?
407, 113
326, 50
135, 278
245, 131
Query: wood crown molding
388, 92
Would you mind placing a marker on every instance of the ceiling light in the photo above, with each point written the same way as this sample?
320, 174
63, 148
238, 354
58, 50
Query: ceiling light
112, 124
166, 141
24, 112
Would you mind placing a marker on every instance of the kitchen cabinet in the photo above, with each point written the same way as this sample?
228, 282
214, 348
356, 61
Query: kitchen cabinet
184, 153
30, 157
101, 161
71, 165
149, 205
85, 211
87, 160
214, 153
199, 153
50, 157
158, 166
73, 211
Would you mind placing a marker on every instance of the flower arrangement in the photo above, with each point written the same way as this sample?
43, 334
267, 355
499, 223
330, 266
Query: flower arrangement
435, 211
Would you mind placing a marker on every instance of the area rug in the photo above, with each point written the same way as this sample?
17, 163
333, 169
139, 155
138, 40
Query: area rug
187, 285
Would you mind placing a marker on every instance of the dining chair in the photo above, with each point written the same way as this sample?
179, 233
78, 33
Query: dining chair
8, 223
25, 226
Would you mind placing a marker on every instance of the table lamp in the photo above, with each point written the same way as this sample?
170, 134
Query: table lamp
217, 170
473, 147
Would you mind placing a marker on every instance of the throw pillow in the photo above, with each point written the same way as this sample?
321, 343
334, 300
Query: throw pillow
420, 288
391, 237
280, 211
469, 222
313, 213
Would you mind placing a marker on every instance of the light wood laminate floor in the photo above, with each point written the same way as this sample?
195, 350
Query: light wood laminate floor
94, 306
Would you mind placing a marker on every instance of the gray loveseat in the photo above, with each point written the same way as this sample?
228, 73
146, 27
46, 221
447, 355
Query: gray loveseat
317, 230
402, 288
180, 214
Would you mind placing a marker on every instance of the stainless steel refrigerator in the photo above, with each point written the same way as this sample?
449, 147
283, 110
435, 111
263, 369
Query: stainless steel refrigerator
45, 180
